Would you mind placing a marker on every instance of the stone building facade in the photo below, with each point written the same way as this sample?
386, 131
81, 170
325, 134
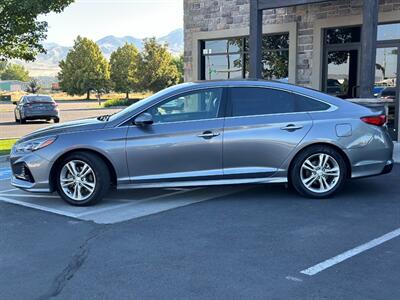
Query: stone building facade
215, 19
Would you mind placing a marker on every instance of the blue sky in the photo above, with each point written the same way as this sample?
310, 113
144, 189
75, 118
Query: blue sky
98, 18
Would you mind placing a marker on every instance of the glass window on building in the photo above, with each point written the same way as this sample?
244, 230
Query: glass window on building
223, 59
343, 35
275, 56
389, 32
229, 58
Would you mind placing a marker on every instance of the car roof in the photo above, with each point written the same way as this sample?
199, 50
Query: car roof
309, 92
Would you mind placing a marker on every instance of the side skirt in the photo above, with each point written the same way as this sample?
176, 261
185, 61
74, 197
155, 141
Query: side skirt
201, 183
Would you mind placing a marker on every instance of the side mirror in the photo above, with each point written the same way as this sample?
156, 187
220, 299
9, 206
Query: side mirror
15, 103
144, 119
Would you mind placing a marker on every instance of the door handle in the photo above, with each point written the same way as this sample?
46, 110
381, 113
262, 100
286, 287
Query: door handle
208, 134
292, 127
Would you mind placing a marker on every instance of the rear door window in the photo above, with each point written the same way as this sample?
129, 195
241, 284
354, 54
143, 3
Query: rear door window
250, 101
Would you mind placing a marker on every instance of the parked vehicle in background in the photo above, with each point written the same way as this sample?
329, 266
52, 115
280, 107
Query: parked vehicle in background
388, 93
36, 107
227, 132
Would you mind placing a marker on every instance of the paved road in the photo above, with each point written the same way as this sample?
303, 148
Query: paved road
249, 244
73, 110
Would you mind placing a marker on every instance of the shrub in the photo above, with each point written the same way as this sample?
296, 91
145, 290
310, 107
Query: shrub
119, 102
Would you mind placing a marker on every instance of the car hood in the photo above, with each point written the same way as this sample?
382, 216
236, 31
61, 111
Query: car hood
67, 127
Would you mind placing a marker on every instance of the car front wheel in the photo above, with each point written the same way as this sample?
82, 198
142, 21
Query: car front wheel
83, 179
318, 172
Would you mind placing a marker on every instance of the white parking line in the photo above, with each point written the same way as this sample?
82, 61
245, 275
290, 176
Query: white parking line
32, 196
10, 190
350, 253
139, 209
40, 207
103, 209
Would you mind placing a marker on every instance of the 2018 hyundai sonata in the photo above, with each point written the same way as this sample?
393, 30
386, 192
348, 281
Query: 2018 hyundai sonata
223, 132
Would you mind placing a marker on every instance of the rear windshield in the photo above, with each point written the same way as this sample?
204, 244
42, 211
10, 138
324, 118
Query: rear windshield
39, 99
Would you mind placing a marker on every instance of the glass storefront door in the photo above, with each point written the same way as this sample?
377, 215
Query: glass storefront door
387, 84
341, 61
342, 73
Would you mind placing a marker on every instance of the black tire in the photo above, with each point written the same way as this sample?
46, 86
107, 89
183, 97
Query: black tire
22, 121
296, 169
102, 175
56, 120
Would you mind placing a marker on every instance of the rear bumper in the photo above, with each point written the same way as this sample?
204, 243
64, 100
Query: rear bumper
388, 168
42, 116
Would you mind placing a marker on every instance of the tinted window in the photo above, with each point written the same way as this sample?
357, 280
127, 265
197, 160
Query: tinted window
307, 104
39, 99
260, 101
188, 107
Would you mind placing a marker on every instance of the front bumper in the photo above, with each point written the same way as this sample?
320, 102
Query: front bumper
39, 169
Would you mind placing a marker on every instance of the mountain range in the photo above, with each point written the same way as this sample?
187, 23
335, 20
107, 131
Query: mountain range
47, 64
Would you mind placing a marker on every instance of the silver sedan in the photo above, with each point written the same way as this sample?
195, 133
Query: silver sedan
36, 107
222, 132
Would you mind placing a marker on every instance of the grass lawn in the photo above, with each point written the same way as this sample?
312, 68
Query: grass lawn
5, 146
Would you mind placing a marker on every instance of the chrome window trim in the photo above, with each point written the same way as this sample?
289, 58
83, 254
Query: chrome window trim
331, 108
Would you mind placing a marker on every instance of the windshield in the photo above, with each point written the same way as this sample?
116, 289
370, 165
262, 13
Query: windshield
127, 111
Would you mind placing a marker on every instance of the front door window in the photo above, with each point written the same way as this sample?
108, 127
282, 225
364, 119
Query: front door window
194, 106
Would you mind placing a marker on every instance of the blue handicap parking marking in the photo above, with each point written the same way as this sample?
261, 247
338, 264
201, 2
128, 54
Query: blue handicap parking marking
5, 173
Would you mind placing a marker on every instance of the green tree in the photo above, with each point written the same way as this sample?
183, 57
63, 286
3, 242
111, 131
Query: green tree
21, 34
3, 66
15, 72
84, 70
157, 67
33, 86
179, 64
124, 64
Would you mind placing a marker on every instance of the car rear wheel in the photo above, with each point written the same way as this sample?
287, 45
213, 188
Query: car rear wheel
83, 179
318, 172
56, 120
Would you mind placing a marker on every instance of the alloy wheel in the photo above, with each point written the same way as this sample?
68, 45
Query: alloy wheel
320, 173
77, 180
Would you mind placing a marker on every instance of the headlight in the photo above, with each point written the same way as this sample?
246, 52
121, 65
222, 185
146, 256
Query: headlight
36, 144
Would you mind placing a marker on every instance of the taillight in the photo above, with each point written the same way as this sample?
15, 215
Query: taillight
375, 120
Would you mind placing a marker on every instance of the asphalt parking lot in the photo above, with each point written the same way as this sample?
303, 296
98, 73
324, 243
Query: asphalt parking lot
242, 242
